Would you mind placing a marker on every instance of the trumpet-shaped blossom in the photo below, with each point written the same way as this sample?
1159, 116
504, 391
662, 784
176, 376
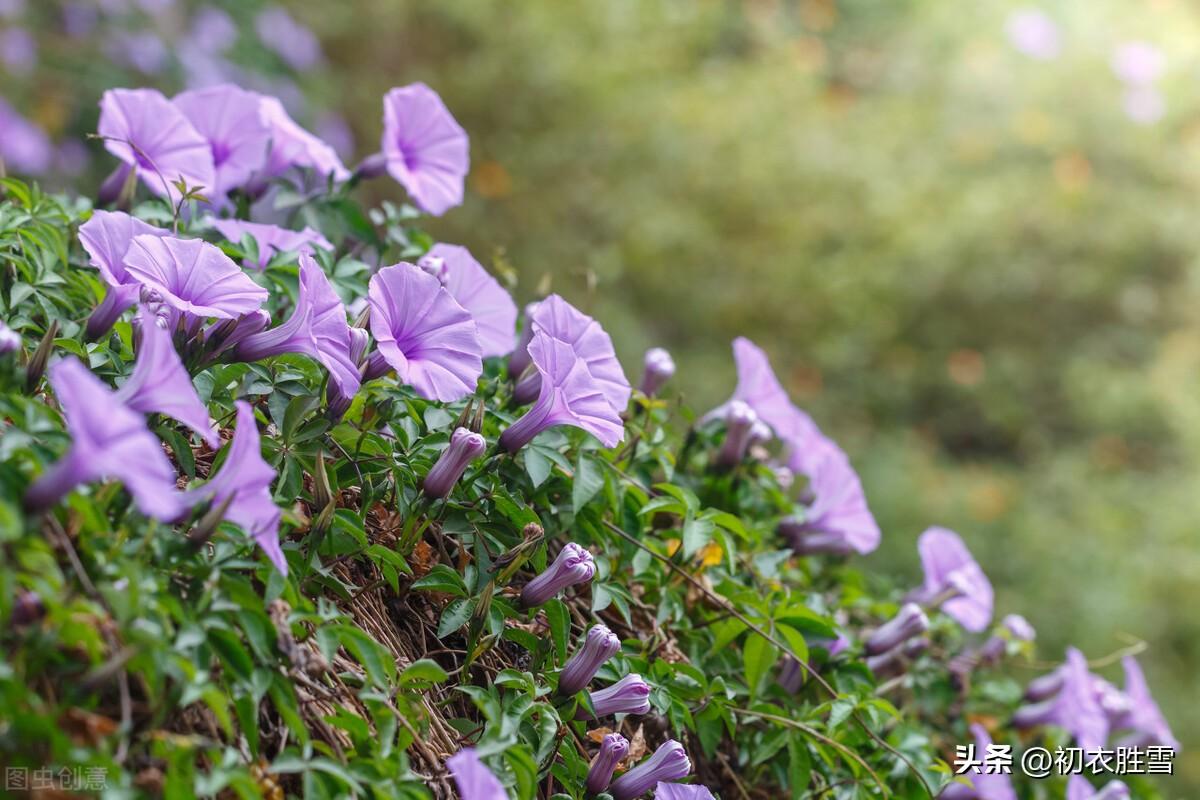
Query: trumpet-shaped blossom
613, 749
1144, 717
519, 361
473, 779
951, 570
465, 446
159, 383
338, 402
10, 340
24, 146
244, 479
910, 621
893, 662
144, 130
289, 39
839, 520
426, 150
106, 238
423, 333
1014, 628
658, 368
238, 137
572, 565
563, 322
599, 646
271, 239
491, 307
681, 791
739, 424
1074, 708
292, 146
668, 764
317, 328
193, 277
630, 695
108, 440
1078, 788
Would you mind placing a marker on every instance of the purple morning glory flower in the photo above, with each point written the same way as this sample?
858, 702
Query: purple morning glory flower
910, 621
599, 646
108, 440
839, 520
271, 239
613, 749
562, 321
145, 51
758, 387
668, 764
681, 791
1074, 708
1016, 628
950, 569
79, 19
287, 38
18, 50
739, 423
1138, 63
213, 30
474, 780
465, 446
630, 695
893, 662
292, 146
1078, 788
160, 385
230, 120
491, 307
423, 333
245, 479
145, 130
106, 237
572, 565
426, 150
659, 367
11, 9
1144, 717
334, 129
193, 277
1034, 34
24, 146
10, 340
317, 328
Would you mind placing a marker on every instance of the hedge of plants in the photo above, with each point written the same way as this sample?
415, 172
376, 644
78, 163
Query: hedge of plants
297, 502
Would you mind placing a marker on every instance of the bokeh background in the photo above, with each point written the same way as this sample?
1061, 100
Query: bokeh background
966, 233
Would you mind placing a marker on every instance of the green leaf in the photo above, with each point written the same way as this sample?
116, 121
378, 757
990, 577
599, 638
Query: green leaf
442, 579
588, 481
560, 625
424, 670
758, 656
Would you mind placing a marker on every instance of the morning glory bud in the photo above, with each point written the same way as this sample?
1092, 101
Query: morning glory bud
739, 425
910, 621
630, 695
669, 763
27, 608
1045, 686
527, 387
613, 748
1017, 629
572, 565
520, 358
435, 266
659, 368
791, 675
465, 446
895, 660
599, 646
809, 542
10, 340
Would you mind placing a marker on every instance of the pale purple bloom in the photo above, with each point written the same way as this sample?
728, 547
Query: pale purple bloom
145, 130
1144, 717
562, 321
1045, 686
108, 440
739, 422
230, 119
11, 9
426, 150
491, 307
950, 570
244, 479
1138, 63
473, 779
334, 129
317, 328
72, 157
24, 146
1078, 788
1019, 628
145, 51
791, 675
658, 367
18, 50
681, 791
988, 785
669, 763
213, 30
630, 695
79, 19
292, 146
423, 333
909, 621
1074, 708
572, 565
1144, 105
106, 237
289, 39
838, 521
465, 446
1033, 33
271, 239
160, 385
193, 277
520, 360
599, 646
893, 662
10, 340
225, 334
613, 749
